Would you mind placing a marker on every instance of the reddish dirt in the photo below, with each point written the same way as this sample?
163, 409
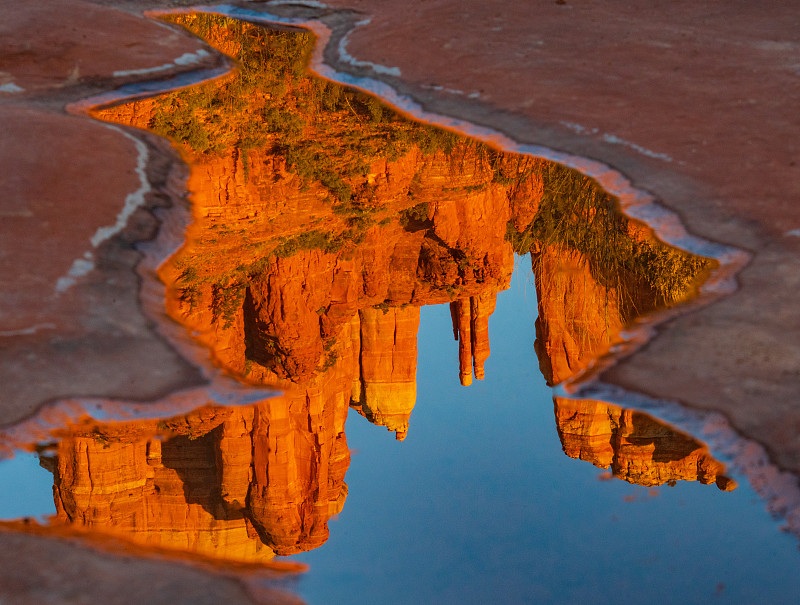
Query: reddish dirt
55, 45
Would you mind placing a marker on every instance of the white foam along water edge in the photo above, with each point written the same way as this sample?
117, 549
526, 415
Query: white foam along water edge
83, 266
220, 388
138, 90
183, 60
134, 200
780, 490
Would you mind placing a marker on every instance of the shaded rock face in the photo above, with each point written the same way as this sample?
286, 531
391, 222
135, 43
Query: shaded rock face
636, 447
578, 318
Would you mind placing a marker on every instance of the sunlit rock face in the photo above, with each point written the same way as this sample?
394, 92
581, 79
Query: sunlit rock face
634, 446
237, 484
578, 318
385, 389
298, 475
341, 212
470, 318
124, 482
313, 204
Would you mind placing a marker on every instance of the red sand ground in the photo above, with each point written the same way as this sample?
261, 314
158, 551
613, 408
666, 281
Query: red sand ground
694, 102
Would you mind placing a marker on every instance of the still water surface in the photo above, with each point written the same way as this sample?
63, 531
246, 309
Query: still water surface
387, 275
479, 504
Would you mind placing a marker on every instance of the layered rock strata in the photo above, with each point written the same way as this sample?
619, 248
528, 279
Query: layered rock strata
634, 446
237, 485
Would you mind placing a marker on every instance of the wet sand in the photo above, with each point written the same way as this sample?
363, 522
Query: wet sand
694, 103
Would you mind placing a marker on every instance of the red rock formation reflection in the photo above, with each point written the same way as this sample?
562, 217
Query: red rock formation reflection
237, 485
578, 318
284, 276
636, 447
323, 222
385, 389
471, 330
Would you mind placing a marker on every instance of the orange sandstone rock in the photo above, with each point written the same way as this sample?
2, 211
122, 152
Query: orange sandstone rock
636, 447
471, 329
388, 367
578, 317
159, 494
298, 475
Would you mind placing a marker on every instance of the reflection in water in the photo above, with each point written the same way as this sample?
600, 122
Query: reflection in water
323, 222
232, 484
635, 446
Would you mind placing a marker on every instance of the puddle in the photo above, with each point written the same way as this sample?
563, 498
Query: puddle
384, 272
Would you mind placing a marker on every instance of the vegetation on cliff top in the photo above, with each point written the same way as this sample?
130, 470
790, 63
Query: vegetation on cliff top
326, 132
576, 214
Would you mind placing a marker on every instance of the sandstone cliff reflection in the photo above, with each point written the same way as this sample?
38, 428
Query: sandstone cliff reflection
634, 446
228, 484
323, 221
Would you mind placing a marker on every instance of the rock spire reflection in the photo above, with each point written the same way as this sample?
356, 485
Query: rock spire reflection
323, 221
634, 446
